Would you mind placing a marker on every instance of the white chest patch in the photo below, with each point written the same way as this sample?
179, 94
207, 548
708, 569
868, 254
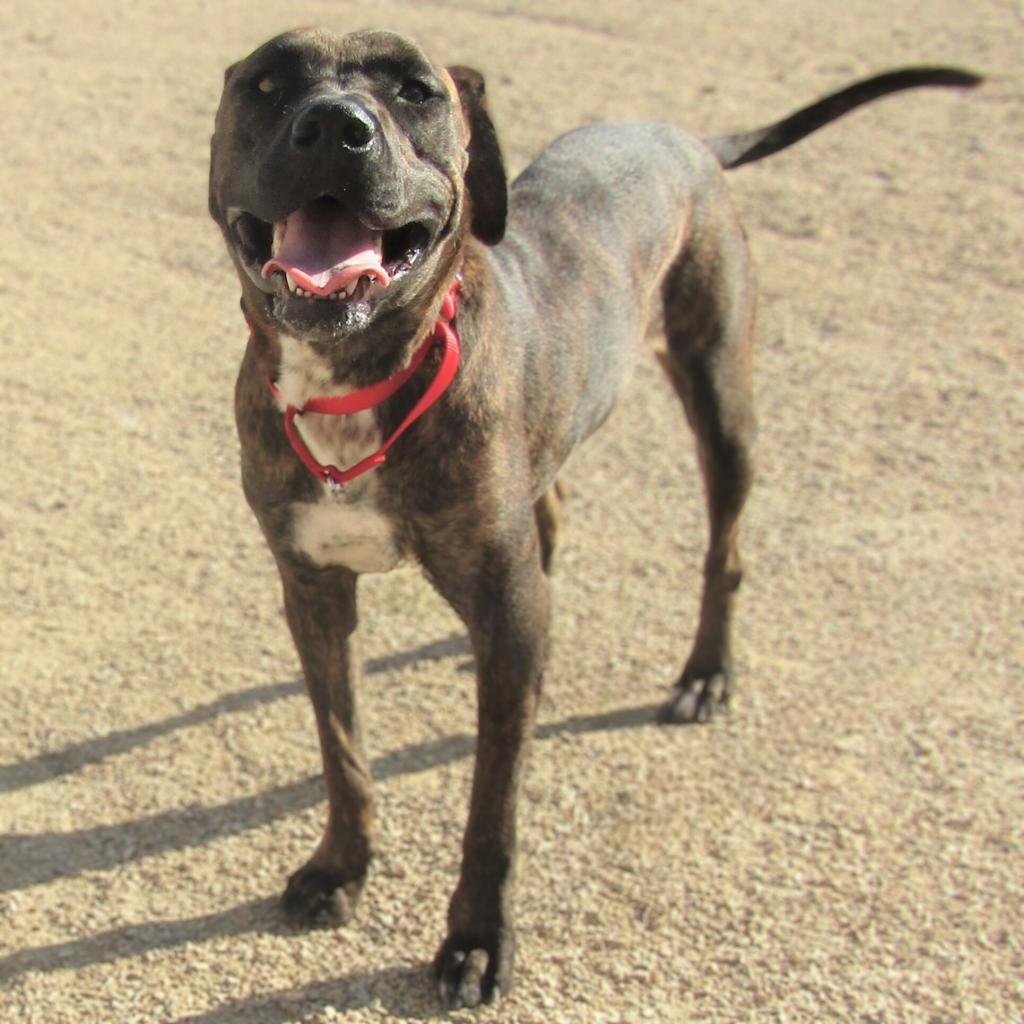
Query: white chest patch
340, 528
337, 531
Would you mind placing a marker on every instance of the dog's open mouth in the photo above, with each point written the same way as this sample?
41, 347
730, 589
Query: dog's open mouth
321, 252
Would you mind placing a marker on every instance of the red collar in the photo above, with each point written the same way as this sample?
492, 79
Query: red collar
443, 334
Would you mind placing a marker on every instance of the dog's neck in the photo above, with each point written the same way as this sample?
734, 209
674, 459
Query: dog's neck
304, 386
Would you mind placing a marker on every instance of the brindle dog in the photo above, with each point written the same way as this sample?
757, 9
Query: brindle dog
355, 182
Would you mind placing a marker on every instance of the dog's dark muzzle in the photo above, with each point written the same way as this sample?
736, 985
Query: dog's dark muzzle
334, 126
333, 145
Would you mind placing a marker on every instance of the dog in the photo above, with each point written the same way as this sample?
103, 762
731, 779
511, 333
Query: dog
427, 346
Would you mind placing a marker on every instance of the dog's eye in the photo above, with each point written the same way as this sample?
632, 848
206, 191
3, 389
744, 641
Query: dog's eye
267, 84
414, 91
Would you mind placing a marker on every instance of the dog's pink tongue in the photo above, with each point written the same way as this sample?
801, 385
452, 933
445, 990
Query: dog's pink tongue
324, 249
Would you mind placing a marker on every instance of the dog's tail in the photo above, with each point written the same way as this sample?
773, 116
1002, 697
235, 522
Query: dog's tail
745, 147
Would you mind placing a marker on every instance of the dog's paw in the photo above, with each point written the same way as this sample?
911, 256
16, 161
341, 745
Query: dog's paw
473, 970
321, 898
696, 697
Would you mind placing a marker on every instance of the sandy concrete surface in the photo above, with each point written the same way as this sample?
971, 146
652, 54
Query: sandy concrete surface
844, 845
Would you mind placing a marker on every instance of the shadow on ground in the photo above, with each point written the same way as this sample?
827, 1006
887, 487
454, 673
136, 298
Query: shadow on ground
31, 860
54, 764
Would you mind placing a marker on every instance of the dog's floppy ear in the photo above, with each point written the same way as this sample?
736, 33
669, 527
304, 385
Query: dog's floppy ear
485, 175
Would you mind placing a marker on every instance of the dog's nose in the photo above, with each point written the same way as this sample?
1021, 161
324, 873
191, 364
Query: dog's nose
342, 120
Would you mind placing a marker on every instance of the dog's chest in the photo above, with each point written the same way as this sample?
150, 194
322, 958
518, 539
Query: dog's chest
342, 527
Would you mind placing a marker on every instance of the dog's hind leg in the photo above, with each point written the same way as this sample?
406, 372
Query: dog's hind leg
709, 316
547, 510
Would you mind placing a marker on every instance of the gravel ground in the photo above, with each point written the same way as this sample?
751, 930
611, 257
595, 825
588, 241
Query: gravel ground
844, 845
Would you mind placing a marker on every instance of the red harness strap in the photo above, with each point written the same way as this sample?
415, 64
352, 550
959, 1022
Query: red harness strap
444, 334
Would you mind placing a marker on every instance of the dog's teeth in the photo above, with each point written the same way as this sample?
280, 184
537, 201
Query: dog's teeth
278, 238
292, 286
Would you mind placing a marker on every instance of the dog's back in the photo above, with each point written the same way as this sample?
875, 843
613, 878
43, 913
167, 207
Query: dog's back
595, 223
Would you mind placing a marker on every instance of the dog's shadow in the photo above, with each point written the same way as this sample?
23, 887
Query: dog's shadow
404, 991
36, 859
401, 992
54, 764
39, 858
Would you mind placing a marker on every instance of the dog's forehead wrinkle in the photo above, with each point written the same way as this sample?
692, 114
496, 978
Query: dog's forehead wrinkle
376, 46
397, 68
318, 53
289, 52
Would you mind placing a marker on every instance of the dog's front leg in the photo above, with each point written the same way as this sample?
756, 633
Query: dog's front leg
321, 609
505, 606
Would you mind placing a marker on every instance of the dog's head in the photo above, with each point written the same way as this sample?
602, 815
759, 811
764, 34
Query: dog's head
345, 175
